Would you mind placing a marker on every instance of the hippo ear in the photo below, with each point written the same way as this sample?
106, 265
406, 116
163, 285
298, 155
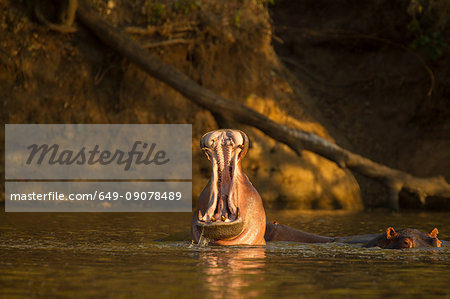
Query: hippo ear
391, 233
436, 242
434, 233
202, 143
245, 145
203, 139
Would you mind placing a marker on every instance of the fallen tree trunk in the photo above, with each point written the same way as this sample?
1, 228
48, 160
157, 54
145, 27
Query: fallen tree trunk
296, 139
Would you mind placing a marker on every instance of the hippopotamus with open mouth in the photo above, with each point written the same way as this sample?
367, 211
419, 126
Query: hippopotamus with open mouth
230, 210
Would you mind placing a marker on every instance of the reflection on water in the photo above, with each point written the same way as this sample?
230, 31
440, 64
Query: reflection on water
227, 270
101, 254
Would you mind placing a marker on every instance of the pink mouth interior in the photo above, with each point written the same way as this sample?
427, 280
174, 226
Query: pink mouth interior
223, 154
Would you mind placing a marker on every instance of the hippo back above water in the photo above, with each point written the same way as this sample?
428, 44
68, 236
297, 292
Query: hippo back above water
405, 238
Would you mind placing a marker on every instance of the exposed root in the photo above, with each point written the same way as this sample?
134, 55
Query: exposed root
165, 43
152, 30
141, 30
65, 27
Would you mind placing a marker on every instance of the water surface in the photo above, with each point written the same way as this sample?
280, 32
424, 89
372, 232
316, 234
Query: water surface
114, 255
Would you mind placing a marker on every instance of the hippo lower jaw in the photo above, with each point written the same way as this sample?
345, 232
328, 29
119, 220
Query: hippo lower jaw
220, 230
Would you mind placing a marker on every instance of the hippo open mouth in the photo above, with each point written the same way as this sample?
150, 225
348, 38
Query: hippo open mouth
222, 219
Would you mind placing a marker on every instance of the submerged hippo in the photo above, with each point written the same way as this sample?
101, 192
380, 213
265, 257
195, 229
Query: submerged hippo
405, 238
230, 210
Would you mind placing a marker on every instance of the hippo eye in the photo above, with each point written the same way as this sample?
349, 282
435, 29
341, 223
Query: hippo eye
408, 243
213, 141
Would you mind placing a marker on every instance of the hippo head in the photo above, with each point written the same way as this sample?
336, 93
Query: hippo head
408, 238
230, 210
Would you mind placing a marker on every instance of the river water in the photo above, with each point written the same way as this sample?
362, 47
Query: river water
114, 255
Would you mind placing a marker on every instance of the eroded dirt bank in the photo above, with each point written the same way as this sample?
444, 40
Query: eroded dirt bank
379, 72
48, 77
